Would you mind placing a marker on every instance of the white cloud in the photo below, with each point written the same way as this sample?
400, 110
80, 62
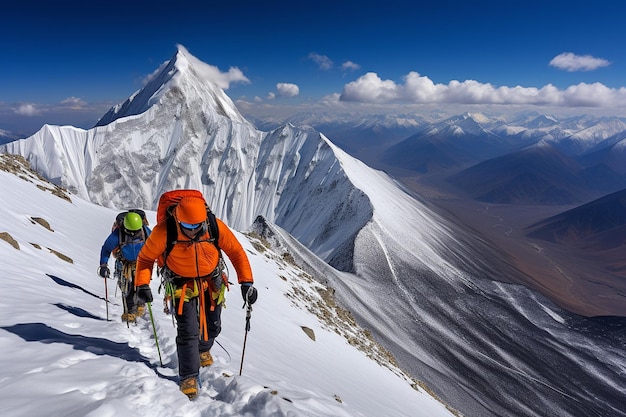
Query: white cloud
349, 65
74, 103
331, 98
322, 61
371, 89
73, 100
222, 79
208, 72
417, 89
571, 62
287, 89
212, 74
27, 110
284, 90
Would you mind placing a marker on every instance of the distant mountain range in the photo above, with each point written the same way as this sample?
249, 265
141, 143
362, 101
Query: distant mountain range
516, 161
8, 136
537, 174
527, 158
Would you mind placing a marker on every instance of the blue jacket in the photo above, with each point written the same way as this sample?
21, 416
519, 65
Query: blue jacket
130, 249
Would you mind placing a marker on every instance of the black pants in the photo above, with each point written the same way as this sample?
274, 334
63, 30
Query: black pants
127, 286
188, 341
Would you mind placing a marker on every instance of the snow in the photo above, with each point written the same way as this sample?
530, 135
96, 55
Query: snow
479, 117
61, 357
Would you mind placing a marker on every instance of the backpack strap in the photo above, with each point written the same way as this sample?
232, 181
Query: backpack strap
172, 233
214, 231
120, 242
123, 239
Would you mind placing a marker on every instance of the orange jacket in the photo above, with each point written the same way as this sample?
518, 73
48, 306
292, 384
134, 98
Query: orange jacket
190, 259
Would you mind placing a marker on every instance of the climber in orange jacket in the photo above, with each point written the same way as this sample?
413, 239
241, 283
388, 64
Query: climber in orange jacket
192, 266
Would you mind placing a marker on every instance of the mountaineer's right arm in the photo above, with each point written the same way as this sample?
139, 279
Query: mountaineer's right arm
152, 249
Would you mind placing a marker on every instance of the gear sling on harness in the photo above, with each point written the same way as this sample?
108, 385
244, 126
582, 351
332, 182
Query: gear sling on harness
190, 289
184, 289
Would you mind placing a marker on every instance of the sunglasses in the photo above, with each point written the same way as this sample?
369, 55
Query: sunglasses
190, 226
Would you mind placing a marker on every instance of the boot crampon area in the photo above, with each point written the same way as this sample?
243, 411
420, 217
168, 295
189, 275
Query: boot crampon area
129, 317
189, 387
206, 359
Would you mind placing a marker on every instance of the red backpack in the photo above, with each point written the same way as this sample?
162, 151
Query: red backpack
165, 208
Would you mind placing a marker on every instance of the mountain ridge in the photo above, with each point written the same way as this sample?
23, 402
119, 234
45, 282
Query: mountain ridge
600, 222
536, 174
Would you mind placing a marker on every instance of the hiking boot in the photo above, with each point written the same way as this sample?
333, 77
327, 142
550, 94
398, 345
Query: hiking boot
129, 317
140, 310
206, 359
189, 387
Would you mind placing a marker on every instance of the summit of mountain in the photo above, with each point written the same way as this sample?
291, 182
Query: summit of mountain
182, 75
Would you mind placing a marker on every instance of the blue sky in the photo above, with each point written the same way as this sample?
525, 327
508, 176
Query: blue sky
67, 62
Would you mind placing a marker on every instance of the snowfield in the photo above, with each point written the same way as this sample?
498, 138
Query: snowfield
61, 357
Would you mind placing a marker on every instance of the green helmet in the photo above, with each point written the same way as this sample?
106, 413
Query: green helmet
132, 222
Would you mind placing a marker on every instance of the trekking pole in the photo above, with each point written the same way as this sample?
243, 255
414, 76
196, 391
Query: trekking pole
245, 338
106, 295
156, 339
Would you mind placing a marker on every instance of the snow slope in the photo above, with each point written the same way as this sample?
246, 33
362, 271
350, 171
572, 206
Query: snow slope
61, 357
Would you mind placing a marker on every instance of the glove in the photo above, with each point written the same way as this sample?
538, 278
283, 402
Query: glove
144, 294
249, 293
103, 271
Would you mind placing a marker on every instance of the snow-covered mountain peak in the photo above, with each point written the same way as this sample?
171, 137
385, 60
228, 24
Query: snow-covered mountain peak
182, 76
478, 117
542, 143
465, 124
